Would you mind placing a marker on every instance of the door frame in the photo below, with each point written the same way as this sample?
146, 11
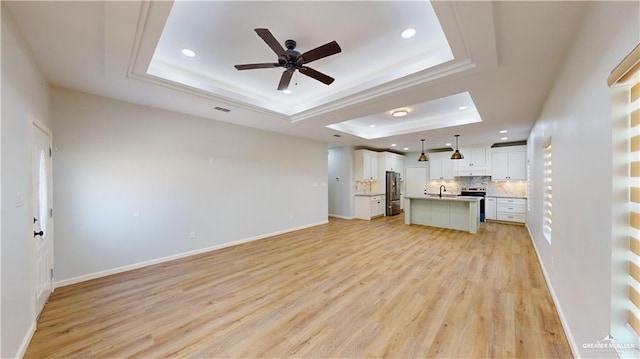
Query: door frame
33, 124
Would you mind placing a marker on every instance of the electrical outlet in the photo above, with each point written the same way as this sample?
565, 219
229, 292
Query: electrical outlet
192, 235
19, 199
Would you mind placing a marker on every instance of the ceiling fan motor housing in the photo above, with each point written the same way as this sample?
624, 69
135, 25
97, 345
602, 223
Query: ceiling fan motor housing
292, 60
290, 44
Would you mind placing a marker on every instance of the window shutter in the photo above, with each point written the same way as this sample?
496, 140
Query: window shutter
628, 74
547, 202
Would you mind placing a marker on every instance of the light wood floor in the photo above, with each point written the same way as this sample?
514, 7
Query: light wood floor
349, 289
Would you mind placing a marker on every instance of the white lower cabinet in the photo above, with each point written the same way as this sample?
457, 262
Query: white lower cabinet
511, 209
490, 208
368, 207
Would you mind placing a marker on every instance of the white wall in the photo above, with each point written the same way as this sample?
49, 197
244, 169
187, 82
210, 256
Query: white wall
24, 97
131, 182
577, 116
341, 188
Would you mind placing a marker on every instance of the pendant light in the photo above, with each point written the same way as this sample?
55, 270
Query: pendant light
457, 155
423, 157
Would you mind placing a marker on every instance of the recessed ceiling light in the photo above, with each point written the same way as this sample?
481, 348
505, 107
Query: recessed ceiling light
447, 144
399, 113
463, 108
372, 126
187, 52
504, 138
393, 145
503, 131
406, 148
287, 91
408, 33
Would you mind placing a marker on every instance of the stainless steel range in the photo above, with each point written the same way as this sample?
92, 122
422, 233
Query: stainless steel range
476, 192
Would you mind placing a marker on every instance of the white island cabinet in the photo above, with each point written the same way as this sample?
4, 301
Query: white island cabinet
461, 213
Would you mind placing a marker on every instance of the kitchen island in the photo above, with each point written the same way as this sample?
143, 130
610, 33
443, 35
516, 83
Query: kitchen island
461, 213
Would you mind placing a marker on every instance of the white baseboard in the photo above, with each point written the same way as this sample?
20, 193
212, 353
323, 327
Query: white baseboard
126, 268
563, 320
22, 349
338, 216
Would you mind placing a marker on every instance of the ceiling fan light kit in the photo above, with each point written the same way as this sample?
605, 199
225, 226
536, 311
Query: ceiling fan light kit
423, 157
291, 60
457, 155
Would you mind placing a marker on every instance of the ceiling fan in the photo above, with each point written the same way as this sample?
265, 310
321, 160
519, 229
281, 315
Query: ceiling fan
292, 60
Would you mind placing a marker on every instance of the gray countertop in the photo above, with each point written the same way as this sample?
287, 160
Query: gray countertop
449, 198
369, 194
500, 196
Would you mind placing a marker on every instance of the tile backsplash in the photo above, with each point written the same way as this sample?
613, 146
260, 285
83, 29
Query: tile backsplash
498, 188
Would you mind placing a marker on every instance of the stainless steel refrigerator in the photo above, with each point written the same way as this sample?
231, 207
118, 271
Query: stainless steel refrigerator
392, 193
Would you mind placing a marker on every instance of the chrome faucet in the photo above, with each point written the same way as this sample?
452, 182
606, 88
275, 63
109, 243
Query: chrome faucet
441, 187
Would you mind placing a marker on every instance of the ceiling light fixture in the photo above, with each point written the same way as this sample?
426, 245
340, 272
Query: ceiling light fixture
393, 145
187, 52
461, 108
457, 155
423, 157
447, 144
372, 126
399, 113
408, 33
287, 91
503, 131
504, 138
406, 148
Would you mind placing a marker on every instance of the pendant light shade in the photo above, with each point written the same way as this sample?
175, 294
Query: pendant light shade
457, 155
423, 157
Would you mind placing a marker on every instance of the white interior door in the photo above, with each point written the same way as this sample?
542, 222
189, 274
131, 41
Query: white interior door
42, 248
415, 181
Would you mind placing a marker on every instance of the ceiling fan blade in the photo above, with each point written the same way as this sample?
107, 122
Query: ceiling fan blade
285, 79
327, 80
325, 50
271, 41
257, 66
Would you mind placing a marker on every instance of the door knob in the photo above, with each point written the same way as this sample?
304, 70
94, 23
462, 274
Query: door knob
41, 233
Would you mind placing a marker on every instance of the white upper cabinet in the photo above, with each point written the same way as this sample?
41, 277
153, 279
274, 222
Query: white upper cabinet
366, 165
474, 163
393, 162
441, 166
509, 163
